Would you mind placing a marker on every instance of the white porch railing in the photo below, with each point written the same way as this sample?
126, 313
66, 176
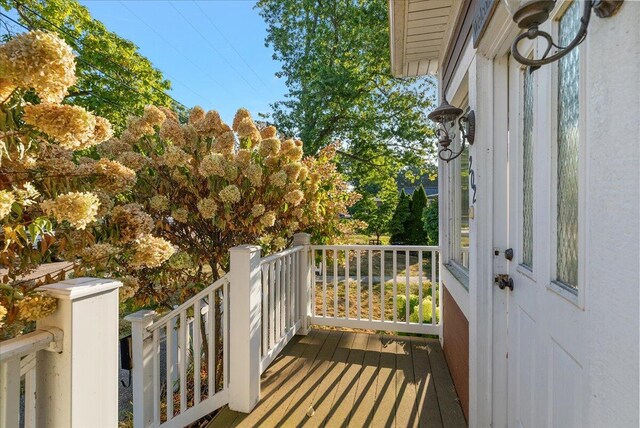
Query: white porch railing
377, 287
182, 356
281, 315
18, 359
259, 306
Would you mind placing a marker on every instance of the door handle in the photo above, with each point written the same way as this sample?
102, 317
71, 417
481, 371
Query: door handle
504, 281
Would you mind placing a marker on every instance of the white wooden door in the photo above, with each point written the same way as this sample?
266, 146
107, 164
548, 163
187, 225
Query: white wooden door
546, 307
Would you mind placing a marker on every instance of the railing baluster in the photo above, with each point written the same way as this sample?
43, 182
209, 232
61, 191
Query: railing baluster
211, 367
358, 279
433, 288
225, 336
324, 283
395, 286
278, 301
169, 351
370, 284
347, 277
382, 285
182, 361
420, 287
197, 317
335, 283
272, 303
314, 283
294, 286
407, 282
156, 376
30, 396
283, 295
265, 308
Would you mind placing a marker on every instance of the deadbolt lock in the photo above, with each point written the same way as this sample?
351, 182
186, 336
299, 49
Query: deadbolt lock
504, 281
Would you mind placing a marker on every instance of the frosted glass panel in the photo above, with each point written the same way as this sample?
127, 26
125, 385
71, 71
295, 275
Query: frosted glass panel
463, 256
568, 143
527, 171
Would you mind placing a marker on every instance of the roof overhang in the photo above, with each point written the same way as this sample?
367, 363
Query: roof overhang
420, 31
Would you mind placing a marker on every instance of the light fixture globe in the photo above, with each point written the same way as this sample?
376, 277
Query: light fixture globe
531, 13
445, 112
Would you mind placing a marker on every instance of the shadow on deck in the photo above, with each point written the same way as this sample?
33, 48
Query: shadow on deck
334, 378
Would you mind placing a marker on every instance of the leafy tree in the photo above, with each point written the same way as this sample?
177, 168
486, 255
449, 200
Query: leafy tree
335, 57
376, 212
397, 225
430, 222
413, 225
114, 79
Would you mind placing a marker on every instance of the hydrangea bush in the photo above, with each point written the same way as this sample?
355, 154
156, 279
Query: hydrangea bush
205, 187
158, 207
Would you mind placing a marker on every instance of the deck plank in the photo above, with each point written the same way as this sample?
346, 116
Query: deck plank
325, 392
280, 391
406, 408
385, 403
303, 395
427, 399
356, 380
346, 391
450, 410
363, 407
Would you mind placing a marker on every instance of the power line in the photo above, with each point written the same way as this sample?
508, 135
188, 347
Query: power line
104, 57
213, 47
228, 42
168, 43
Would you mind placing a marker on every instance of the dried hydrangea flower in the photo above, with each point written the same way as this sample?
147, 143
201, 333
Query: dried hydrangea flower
207, 208
254, 174
181, 215
278, 179
172, 131
70, 126
36, 306
257, 210
113, 176
39, 60
196, 115
174, 156
3, 313
7, 199
159, 203
248, 130
213, 164
241, 114
131, 221
230, 194
269, 147
294, 197
225, 142
268, 219
269, 132
77, 208
98, 253
151, 252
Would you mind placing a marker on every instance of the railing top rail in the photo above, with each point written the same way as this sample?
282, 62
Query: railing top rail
377, 247
283, 253
165, 319
31, 342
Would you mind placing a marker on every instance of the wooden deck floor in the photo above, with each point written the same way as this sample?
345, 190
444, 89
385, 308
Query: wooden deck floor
334, 379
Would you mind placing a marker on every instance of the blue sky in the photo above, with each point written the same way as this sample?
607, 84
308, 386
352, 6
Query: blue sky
213, 51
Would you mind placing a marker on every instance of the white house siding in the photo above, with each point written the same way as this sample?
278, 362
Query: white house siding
613, 223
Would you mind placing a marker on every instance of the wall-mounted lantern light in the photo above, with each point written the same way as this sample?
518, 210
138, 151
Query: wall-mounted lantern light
530, 14
445, 117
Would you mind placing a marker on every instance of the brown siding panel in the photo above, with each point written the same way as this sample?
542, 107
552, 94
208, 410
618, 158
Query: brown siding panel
456, 348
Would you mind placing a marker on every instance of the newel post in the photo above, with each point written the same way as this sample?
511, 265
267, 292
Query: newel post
142, 367
78, 387
245, 320
304, 280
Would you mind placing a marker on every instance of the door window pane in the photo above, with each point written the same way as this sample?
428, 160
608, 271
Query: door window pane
463, 195
527, 171
568, 144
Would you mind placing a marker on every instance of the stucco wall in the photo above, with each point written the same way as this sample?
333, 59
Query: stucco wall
456, 348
